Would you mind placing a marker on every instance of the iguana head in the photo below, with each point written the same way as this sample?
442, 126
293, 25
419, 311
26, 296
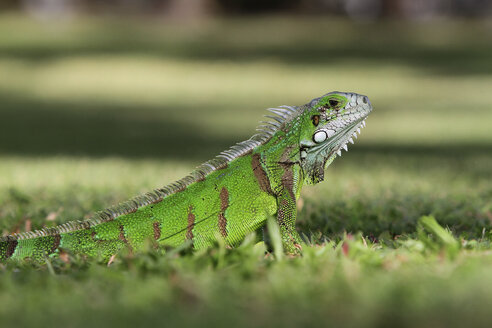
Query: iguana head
329, 123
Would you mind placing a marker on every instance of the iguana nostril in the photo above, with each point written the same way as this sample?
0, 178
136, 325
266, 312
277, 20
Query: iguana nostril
365, 100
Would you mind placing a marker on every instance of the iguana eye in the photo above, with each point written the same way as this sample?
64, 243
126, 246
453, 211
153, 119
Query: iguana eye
315, 120
333, 102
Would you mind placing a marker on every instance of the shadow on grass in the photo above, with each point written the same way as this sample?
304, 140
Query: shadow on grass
75, 129
449, 61
33, 128
375, 43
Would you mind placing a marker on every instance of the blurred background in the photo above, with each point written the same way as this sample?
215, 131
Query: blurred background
116, 97
355, 9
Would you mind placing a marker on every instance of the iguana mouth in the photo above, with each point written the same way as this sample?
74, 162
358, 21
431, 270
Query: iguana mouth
340, 140
322, 155
352, 131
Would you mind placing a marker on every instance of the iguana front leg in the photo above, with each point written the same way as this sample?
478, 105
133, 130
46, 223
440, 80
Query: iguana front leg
286, 219
287, 210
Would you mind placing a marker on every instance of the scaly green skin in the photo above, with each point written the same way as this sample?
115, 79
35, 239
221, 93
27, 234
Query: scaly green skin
227, 197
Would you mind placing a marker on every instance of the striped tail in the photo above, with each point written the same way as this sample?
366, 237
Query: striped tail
72, 236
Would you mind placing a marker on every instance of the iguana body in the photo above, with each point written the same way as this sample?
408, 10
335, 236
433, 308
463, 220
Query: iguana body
227, 197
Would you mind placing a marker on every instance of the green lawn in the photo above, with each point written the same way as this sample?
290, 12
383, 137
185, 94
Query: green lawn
94, 111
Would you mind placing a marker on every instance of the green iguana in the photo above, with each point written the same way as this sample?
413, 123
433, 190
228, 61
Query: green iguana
227, 197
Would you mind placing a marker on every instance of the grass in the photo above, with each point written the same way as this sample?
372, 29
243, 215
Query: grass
94, 111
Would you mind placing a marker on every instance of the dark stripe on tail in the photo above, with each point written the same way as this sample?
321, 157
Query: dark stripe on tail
191, 224
9, 248
56, 244
224, 204
122, 235
157, 230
